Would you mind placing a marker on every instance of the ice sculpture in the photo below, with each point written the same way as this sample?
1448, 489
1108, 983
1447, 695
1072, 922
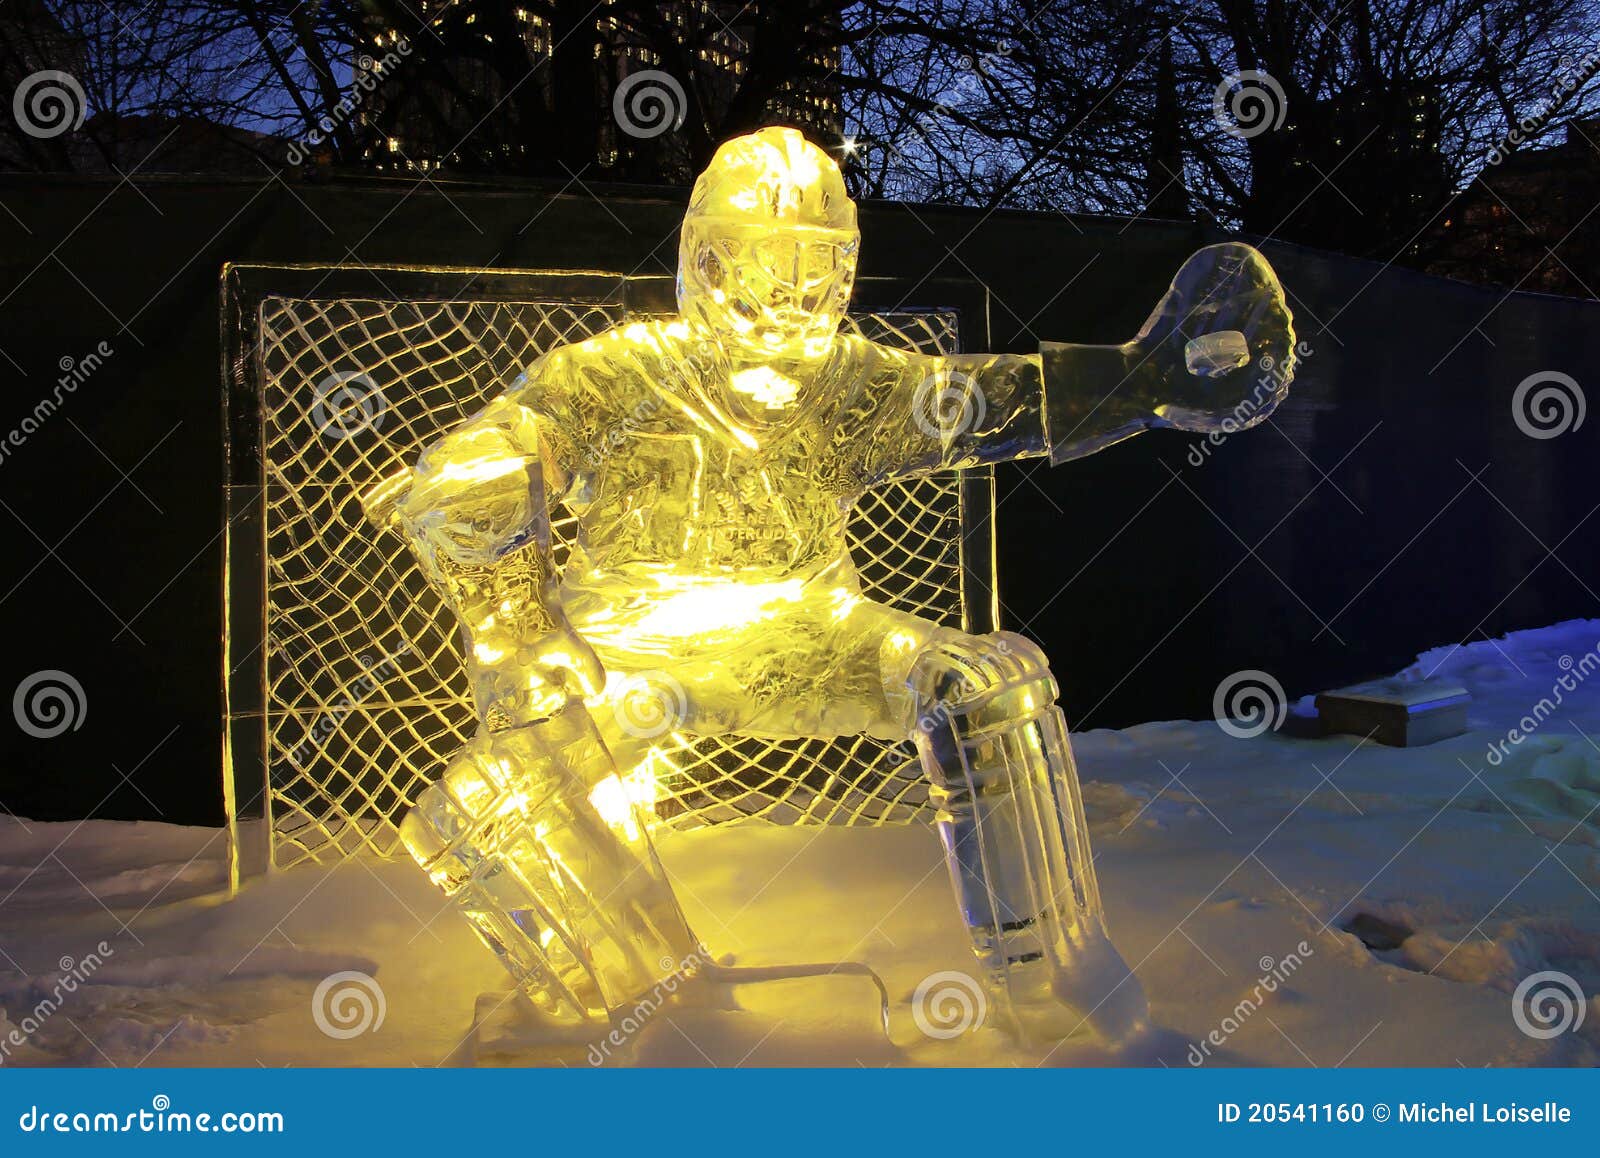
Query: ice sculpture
711, 460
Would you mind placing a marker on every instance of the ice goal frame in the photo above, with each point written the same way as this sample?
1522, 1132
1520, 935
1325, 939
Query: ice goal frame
343, 685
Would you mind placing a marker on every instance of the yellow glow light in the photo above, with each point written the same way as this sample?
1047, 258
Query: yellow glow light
480, 470
610, 800
844, 602
766, 386
707, 607
620, 799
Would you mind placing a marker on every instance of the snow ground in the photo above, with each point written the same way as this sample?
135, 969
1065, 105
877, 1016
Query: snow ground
1218, 858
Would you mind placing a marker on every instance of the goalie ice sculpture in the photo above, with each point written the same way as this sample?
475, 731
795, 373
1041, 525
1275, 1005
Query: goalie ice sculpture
711, 461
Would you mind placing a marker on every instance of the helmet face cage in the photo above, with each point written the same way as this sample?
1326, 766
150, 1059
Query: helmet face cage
776, 292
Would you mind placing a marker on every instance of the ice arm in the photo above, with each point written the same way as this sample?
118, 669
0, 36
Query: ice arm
956, 411
1217, 354
474, 509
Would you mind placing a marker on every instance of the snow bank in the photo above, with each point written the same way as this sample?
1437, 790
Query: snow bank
1284, 902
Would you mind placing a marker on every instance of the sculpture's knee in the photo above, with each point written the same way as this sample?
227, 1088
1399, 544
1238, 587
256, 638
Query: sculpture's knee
973, 682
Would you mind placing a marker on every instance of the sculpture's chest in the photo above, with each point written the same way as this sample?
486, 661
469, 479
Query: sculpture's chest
673, 491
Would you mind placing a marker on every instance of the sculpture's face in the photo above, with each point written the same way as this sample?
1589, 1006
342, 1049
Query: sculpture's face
768, 256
